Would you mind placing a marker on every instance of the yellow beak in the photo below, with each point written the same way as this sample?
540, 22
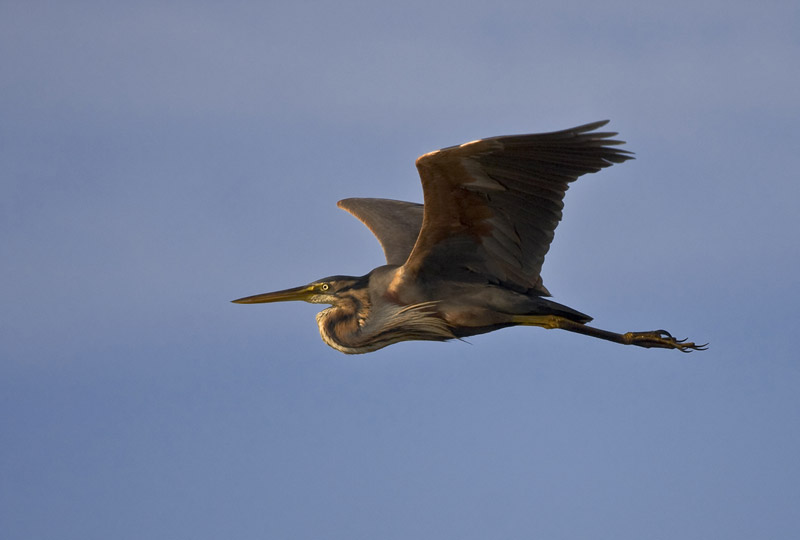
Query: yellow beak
297, 293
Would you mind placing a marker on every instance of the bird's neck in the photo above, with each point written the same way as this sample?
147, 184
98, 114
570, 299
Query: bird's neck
357, 327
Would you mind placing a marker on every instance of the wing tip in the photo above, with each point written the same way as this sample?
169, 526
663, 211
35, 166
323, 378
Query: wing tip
591, 126
344, 204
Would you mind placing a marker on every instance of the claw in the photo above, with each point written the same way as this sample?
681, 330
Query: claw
662, 339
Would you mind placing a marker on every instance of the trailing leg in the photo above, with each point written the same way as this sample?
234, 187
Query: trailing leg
655, 338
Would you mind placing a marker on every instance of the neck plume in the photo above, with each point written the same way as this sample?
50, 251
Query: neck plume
354, 326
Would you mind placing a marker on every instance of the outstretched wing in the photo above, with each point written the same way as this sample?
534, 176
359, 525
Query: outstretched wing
396, 224
492, 205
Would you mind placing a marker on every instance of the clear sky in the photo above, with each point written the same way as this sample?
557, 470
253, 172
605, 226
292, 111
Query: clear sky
159, 159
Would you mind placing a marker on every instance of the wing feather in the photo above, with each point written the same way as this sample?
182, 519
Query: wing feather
396, 224
492, 205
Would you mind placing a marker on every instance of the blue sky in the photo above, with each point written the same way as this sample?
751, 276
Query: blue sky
161, 159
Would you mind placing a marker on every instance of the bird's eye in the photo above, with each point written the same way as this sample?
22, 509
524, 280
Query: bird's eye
324, 287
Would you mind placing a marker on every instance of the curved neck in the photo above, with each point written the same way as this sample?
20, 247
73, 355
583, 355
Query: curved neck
355, 326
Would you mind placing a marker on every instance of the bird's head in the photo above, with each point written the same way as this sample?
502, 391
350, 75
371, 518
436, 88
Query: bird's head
330, 290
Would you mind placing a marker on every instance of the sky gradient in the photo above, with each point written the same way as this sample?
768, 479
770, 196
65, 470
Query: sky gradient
159, 160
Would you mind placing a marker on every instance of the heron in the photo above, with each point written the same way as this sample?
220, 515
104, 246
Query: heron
468, 261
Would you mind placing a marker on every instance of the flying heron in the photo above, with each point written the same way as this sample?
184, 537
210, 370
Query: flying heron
468, 260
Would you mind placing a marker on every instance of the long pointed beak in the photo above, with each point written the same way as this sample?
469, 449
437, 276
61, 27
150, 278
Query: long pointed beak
297, 293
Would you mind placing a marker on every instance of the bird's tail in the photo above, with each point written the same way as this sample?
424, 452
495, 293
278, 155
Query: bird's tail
554, 308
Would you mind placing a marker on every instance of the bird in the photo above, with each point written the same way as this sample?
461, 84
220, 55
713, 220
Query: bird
468, 260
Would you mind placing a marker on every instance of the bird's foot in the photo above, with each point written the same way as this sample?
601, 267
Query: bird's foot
661, 339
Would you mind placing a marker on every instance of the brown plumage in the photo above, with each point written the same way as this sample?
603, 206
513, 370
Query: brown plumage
469, 260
